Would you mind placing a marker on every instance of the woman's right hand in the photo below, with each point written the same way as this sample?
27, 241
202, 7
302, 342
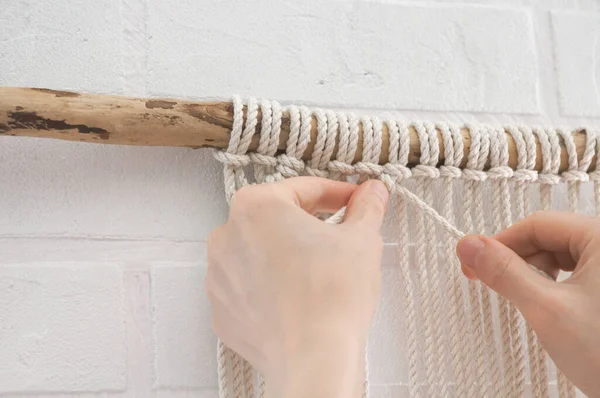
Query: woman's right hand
565, 315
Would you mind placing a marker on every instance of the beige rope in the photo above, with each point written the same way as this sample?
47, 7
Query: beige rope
453, 365
457, 317
575, 176
551, 162
399, 144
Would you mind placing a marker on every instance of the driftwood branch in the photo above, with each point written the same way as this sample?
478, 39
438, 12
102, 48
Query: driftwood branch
106, 119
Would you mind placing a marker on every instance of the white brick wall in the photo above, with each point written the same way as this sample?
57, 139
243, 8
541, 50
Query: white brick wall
76, 43
417, 57
577, 53
181, 309
63, 328
102, 248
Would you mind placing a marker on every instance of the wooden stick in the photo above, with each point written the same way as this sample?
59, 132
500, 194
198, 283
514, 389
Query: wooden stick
107, 119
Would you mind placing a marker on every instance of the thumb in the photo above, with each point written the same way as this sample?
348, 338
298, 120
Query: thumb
502, 270
368, 204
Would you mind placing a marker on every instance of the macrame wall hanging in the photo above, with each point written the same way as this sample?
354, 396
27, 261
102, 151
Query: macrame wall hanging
453, 347
446, 180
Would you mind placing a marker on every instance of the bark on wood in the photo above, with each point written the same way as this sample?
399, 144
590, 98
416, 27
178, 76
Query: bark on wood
108, 119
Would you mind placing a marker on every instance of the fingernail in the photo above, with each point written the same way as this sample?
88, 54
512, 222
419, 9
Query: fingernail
380, 189
468, 249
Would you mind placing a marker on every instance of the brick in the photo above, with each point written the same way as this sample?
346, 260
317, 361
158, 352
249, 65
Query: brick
365, 54
66, 45
60, 189
133, 254
204, 393
62, 328
85, 190
184, 345
63, 189
577, 56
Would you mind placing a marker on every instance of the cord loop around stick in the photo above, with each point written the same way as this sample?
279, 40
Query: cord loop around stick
487, 166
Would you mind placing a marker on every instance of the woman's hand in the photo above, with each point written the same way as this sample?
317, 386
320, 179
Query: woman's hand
566, 315
296, 296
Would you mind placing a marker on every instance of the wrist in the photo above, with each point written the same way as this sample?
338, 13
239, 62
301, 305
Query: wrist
327, 363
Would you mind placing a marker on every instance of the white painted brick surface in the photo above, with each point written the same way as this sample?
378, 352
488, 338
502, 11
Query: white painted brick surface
103, 247
444, 58
88, 190
577, 53
62, 328
208, 393
184, 346
73, 44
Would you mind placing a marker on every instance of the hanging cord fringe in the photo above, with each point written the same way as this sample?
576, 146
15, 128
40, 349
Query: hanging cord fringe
487, 142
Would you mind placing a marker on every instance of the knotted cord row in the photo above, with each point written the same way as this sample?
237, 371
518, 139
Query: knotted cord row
477, 370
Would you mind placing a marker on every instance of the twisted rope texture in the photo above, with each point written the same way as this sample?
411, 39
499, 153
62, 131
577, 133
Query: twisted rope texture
452, 346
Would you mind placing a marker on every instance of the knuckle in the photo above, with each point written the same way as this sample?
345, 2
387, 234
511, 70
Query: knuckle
499, 271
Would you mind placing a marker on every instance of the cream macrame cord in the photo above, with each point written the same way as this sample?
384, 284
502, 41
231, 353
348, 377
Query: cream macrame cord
441, 321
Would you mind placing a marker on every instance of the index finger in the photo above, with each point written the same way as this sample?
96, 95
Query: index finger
556, 232
314, 194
